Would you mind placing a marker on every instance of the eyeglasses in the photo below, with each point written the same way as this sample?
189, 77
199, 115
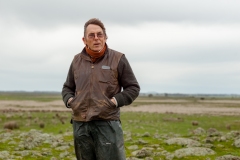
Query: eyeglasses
92, 35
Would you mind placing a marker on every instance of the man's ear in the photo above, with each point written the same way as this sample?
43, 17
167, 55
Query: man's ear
84, 40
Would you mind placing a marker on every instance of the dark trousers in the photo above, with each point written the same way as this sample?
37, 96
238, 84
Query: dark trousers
98, 140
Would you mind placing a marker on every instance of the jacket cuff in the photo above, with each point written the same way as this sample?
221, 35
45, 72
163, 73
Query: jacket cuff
68, 104
120, 100
66, 99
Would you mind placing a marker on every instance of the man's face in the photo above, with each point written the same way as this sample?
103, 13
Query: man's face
94, 37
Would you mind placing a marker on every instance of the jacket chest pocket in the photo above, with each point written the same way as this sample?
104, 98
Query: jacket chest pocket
108, 81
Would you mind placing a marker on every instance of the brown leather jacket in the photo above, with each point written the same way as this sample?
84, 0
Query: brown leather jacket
93, 85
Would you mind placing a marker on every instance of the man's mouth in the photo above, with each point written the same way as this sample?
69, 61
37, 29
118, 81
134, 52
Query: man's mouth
96, 44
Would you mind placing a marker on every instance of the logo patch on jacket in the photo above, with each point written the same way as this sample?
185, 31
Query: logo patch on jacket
105, 67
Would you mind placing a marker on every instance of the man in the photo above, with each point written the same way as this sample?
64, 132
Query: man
93, 90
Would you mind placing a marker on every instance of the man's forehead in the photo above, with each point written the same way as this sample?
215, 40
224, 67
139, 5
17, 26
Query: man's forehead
92, 28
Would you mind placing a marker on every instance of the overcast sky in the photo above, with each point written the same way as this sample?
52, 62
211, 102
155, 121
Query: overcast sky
173, 46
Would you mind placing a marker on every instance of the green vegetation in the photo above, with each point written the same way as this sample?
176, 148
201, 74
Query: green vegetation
141, 129
137, 124
34, 96
176, 123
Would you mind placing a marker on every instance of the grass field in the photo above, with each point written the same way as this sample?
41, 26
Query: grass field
36, 96
48, 135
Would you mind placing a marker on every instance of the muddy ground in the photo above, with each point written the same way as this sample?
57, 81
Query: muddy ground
219, 107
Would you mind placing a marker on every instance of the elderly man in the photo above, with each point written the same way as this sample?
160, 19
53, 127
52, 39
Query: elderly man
100, 81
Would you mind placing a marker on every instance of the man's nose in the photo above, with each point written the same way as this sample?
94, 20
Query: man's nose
95, 36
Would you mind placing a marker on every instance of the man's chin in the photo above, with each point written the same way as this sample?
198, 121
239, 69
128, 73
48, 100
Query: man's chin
97, 49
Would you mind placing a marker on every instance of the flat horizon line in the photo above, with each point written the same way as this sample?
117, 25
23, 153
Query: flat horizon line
141, 93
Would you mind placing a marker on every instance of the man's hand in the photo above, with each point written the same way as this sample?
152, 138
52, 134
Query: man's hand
69, 100
114, 101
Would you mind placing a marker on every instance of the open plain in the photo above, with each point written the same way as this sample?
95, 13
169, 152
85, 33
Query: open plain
166, 128
181, 106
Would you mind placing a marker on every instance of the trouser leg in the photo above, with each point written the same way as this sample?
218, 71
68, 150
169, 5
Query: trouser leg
83, 141
77, 150
109, 143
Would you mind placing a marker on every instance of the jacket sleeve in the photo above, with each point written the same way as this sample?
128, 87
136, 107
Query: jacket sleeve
69, 86
128, 82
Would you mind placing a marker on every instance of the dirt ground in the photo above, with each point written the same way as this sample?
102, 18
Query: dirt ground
217, 107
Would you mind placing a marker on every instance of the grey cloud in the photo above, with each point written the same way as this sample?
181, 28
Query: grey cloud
36, 63
189, 54
52, 13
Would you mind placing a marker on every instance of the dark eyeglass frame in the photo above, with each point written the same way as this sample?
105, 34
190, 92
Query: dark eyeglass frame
93, 35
